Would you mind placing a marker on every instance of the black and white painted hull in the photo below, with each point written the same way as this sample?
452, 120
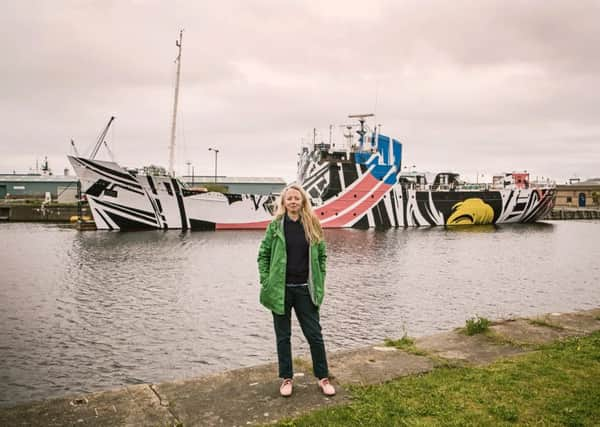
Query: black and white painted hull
120, 200
345, 194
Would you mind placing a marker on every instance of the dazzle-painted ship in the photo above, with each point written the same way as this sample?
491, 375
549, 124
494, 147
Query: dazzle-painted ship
358, 185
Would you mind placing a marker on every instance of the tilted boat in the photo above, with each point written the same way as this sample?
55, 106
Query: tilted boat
359, 185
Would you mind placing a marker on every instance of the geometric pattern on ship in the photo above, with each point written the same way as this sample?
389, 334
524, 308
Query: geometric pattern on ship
355, 191
358, 188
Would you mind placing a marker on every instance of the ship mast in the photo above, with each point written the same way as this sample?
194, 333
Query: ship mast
178, 43
361, 119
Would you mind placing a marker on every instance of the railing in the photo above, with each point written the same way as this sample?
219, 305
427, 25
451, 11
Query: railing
470, 186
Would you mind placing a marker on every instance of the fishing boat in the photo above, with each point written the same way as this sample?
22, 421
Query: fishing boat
357, 184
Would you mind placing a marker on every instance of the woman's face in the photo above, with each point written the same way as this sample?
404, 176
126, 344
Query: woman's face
292, 201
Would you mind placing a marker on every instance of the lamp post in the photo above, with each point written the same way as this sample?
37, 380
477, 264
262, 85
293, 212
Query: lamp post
216, 156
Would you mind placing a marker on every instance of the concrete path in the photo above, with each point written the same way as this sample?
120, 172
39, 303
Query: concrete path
250, 396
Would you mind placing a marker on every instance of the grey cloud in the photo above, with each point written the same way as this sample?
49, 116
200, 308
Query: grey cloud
460, 83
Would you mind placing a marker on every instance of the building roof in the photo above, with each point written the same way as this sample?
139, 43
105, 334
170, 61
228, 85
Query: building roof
594, 186
234, 180
592, 181
38, 178
197, 179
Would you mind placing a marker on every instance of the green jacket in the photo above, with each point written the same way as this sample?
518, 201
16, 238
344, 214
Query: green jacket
272, 260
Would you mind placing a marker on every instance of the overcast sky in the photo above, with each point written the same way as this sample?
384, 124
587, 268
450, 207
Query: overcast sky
468, 86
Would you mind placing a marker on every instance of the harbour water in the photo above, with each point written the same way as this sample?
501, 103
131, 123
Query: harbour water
86, 311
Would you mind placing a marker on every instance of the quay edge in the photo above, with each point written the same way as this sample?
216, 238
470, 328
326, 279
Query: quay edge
207, 401
574, 213
38, 211
35, 211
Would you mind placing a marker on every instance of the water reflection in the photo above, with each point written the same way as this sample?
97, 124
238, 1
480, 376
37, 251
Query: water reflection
478, 228
92, 310
538, 227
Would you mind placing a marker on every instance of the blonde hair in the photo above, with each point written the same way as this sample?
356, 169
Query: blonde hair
310, 222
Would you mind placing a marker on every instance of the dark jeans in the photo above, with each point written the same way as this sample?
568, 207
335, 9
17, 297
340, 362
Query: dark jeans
308, 317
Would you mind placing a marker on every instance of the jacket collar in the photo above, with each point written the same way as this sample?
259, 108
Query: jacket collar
279, 227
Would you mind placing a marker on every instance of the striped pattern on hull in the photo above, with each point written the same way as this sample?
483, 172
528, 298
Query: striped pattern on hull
360, 189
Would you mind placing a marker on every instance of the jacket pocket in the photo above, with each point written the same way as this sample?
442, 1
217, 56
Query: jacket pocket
264, 283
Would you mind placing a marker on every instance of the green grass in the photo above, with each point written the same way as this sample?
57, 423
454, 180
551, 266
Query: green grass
554, 386
500, 339
477, 325
302, 365
405, 343
545, 323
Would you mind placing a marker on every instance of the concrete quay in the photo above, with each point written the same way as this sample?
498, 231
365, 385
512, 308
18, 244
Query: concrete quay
574, 213
37, 211
250, 396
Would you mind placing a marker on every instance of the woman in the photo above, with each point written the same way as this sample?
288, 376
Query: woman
291, 263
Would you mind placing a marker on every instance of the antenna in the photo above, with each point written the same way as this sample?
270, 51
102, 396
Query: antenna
361, 119
360, 116
74, 148
110, 153
348, 135
376, 97
178, 43
101, 139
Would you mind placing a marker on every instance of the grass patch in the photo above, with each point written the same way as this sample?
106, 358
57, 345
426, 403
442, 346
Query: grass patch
545, 323
499, 339
557, 385
477, 325
301, 365
405, 343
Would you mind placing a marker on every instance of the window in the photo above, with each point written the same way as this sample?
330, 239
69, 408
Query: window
569, 199
168, 187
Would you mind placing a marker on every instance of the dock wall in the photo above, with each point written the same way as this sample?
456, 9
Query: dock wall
38, 212
62, 212
571, 213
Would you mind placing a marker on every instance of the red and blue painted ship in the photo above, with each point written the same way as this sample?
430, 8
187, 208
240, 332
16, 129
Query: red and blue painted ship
360, 185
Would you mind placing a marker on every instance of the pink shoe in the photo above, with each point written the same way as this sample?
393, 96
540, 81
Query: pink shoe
286, 387
326, 387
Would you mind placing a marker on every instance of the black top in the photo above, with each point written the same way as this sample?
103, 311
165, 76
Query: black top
296, 248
